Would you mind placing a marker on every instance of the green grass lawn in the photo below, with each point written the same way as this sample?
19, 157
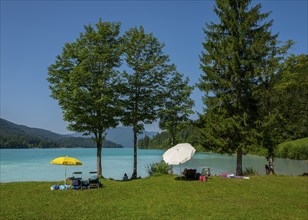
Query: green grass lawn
161, 197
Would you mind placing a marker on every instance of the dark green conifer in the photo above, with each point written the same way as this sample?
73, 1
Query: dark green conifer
240, 53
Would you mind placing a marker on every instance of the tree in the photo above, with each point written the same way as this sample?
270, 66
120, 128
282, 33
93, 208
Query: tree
291, 88
143, 87
270, 118
177, 106
144, 142
236, 53
84, 80
283, 104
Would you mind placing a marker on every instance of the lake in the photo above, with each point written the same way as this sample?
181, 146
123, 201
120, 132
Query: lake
34, 164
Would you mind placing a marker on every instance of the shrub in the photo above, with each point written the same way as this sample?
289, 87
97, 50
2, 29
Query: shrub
249, 171
297, 149
158, 168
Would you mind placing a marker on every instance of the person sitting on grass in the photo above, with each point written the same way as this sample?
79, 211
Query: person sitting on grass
125, 177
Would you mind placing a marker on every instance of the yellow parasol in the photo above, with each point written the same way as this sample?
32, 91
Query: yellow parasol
66, 161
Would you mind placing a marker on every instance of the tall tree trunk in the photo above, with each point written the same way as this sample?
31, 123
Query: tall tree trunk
134, 175
99, 143
239, 159
270, 170
173, 140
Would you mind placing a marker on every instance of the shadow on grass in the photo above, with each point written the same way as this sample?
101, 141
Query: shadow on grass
182, 178
128, 180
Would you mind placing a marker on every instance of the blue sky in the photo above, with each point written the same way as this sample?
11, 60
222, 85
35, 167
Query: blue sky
34, 32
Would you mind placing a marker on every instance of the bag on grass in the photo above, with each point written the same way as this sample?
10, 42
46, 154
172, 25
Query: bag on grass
54, 187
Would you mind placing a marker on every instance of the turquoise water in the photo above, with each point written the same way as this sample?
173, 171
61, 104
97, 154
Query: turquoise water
34, 164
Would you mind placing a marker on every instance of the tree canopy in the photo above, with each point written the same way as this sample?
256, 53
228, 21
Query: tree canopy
291, 88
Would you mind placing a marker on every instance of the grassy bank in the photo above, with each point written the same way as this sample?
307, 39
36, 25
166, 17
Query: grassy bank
161, 198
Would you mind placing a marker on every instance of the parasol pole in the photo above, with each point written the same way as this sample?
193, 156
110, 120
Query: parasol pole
65, 176
180, 172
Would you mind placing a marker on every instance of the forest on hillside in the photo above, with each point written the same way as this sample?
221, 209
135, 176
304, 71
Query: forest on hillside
26, 141
19, 136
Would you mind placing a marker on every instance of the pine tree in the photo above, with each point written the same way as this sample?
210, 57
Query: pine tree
237, 57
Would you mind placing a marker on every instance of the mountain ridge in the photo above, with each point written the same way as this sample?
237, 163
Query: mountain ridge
12, 134
21, 136
122, 135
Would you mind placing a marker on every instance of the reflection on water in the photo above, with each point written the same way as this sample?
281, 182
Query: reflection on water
34, 164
